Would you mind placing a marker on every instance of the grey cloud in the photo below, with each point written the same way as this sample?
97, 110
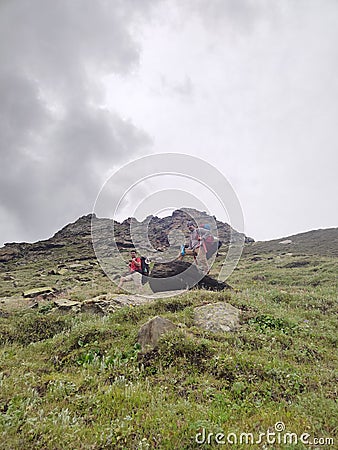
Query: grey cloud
184, 88
55, 139
234, 15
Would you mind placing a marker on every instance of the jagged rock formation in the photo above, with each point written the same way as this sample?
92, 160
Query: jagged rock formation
74, 241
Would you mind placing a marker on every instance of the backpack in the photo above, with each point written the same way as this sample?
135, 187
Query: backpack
209, 239
212, 248
212, 244
145, 269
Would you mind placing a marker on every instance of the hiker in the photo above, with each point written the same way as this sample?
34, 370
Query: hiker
197, 246
135, 272
212, 243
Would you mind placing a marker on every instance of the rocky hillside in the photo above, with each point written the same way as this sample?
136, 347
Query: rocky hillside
74, 241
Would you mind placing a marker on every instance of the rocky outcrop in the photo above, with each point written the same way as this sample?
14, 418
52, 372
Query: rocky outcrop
102, 304
217, 317
159, 229
181, 275
11, 251
65, 305
151, 235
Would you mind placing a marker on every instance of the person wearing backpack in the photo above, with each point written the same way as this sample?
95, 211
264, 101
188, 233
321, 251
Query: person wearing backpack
197, 246
212, 243
135, 272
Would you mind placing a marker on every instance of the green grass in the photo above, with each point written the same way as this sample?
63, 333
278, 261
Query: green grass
81, 382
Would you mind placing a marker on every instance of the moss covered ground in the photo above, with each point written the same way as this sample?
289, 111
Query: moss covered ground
81, 381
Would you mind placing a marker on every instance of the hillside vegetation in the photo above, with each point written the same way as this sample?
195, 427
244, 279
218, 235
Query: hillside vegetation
81, 381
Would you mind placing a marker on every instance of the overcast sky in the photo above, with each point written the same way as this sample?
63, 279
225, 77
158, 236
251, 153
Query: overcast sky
249, 86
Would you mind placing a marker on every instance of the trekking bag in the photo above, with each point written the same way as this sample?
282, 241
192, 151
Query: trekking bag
212, 248
211, 243
208, 242
145, 269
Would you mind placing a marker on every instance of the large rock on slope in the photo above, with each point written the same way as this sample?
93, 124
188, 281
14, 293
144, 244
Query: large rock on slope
180, 275
152, 330
217, 317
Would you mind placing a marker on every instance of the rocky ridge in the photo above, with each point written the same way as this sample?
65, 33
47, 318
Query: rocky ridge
75, 239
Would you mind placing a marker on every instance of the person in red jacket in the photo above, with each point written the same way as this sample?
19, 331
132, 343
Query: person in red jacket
135, 272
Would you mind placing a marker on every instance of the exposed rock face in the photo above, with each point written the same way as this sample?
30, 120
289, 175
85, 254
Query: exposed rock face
151, 331
158, 229
178, 275
217, 317
77, 236
9, 252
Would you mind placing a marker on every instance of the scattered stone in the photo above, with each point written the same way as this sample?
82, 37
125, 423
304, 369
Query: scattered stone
74, 266
62, 271
259, 278
151, 331
37, 291
102, 304
130, 300
8, 277
295, 264
217, 317
66, 305
256, 258
82, 279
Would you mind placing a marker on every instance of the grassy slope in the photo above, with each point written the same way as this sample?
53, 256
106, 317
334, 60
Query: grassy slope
322, 242
79, 382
